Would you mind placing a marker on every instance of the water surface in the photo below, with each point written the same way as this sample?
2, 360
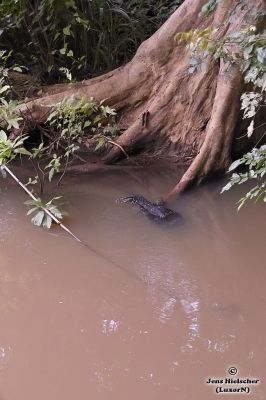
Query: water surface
181, 305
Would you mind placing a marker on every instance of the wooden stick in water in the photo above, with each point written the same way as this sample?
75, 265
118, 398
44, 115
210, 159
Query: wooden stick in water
65, 228
43, 208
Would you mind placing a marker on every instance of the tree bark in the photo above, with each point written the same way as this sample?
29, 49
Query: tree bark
190, 117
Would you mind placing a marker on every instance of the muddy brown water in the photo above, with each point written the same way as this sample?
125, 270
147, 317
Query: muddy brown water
186, 303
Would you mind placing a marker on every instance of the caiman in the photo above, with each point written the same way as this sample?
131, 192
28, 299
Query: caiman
156, 212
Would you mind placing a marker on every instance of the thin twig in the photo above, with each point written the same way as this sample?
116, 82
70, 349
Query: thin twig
44, 131
120, 147
64, 172
123, 151
37, 170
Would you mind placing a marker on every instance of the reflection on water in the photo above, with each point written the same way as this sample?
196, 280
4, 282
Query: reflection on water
167, 310
109, 327
188, 302
169, 285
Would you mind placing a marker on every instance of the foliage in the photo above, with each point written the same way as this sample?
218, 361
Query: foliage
38, 210
9, 149
68, 127
73, 117
256, 164
84, 37
9, 114
244, 48
247, 50
254, 68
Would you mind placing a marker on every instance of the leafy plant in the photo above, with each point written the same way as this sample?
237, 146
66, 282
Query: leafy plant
9, 149
247, 50
38, 211
71, 126
73, 122
255, 161
9, 114
254, 68
250, 56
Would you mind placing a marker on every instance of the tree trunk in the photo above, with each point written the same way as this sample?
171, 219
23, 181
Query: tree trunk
191, 117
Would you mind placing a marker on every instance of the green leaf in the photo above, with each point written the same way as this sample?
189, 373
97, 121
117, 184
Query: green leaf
54, 198
47, 222
86, 124
235, 164
23, 151
38, 218
31, 202
56, 36
241, 202
100, 144
4, 88
250, 128
3, 135
18, 69
67, 30
56, 212
32, 210
226, 187
14, 123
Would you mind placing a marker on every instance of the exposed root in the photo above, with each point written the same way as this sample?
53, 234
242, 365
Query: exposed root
215, 153
96, 167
